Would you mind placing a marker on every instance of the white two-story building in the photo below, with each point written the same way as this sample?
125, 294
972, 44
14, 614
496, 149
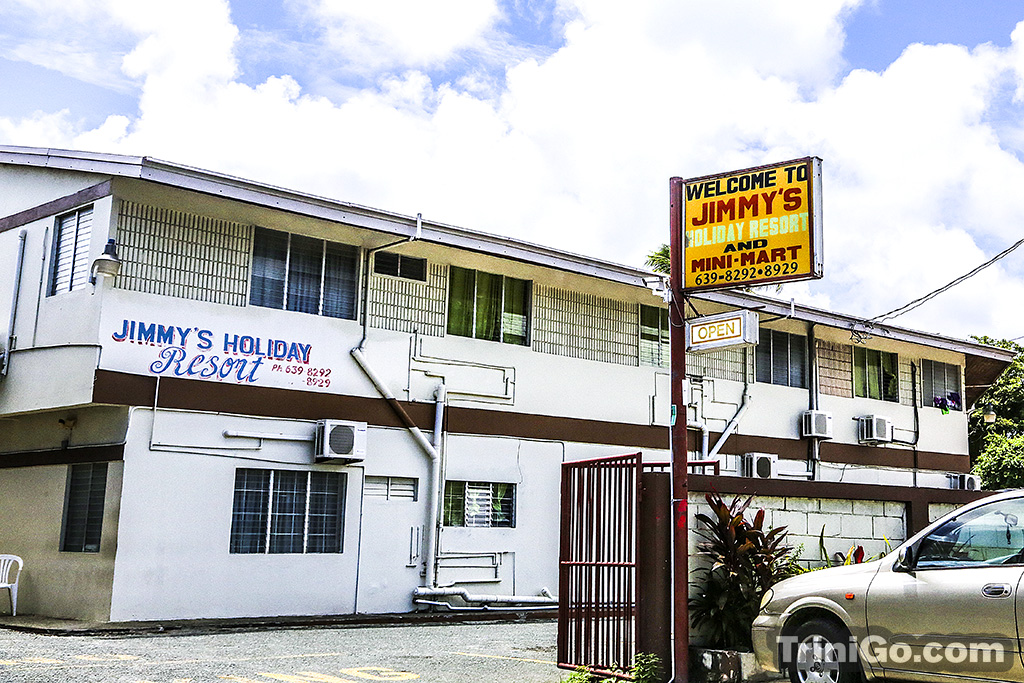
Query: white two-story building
223, 399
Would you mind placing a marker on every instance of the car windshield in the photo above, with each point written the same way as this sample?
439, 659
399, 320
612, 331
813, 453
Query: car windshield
988, 535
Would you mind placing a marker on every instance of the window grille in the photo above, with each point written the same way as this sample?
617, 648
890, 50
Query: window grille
835, 368
70, 263
940, 385
730, 364
391, 488
405, 305
288, 511
83, 508
304, 274
479, 504
586, 326
184, 255
781, 358
487, 306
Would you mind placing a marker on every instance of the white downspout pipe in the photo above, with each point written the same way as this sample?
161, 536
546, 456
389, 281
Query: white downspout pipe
433, 502
11, 337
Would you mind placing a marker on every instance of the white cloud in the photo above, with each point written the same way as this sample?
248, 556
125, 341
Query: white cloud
576, 149
404, 33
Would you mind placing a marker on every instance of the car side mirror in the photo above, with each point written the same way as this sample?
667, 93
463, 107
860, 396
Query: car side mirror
904, 560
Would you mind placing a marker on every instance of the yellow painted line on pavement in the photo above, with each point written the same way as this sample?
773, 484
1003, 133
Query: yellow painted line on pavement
36, 663
514, 659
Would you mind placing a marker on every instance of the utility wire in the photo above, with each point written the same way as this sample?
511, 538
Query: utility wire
906, 308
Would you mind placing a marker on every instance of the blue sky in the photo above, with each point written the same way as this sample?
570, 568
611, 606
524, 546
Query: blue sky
560, 121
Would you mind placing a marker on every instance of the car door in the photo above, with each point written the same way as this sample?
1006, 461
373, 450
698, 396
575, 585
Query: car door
949, 611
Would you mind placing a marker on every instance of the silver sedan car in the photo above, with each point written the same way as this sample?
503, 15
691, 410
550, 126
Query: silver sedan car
946, 605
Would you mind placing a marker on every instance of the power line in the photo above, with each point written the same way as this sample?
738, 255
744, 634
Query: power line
906, 308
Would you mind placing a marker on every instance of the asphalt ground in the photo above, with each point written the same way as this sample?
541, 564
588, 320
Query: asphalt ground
523, 652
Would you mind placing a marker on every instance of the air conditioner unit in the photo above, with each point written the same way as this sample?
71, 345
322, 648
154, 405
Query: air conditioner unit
872, 429
965, 482
761, 465
816, 423
339, 441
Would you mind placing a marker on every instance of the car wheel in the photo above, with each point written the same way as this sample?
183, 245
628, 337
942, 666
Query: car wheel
823, 652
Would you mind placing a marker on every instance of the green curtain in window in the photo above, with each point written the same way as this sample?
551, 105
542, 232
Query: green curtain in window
488, 306
462, 286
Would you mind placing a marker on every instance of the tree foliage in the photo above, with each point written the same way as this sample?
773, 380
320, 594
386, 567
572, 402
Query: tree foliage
659, 260
1006, 398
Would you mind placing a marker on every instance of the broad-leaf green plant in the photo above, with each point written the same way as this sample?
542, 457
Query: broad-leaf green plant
746, 559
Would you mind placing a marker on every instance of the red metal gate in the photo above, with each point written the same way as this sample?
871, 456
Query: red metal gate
597, 592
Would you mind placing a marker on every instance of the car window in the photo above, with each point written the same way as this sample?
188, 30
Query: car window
988, 535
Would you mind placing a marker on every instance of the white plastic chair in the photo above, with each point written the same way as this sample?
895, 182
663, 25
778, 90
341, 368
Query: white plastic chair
7, 563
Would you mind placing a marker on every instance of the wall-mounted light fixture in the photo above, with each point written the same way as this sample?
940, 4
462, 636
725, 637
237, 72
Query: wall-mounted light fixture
106, 264
989, 415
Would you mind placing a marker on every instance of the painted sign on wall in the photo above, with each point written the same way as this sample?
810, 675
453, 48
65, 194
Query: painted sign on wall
222, 355
752, 227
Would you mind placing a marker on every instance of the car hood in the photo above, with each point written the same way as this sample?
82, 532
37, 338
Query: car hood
831, 578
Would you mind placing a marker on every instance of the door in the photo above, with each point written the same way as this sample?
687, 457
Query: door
953, 614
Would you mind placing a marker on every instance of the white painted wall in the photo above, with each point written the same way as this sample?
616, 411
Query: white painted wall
70, 585
172, 557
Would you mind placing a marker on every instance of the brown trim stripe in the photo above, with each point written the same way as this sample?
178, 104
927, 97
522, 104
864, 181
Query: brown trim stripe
118, 388
58, 456
55, 207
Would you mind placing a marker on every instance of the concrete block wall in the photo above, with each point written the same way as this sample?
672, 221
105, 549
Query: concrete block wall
875, 525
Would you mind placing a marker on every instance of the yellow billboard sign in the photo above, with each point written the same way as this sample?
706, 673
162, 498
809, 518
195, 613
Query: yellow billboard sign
752, 227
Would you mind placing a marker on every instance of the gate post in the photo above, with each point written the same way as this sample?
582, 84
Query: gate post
654, 569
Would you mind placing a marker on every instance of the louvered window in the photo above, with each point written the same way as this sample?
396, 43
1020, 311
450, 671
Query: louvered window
391, 488
479, 504
398, 265
304, 274
940, 385
288, 511
781, 358
70, 264
83, 508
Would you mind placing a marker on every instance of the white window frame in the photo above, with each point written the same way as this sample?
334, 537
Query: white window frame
72, 238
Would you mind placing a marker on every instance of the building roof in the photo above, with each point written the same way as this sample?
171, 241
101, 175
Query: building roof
983, 366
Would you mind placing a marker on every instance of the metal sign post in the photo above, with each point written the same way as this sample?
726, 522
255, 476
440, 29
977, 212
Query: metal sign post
737, 229
680, 533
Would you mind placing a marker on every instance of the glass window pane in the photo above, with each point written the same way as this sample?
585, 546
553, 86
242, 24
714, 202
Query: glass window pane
780, 358
385, 263
305, 263
488, 306
341, 281
83, 515
461, 288
249, 511
763, 356
516, 312
326, 512
287, 522
413, 268
860, 376
890, 376
874, 373
454, 503
269, 255
503, 505
990, 535
797, 361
